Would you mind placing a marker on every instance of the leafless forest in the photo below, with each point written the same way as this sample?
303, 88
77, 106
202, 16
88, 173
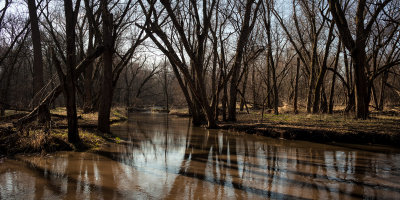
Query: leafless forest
215, 57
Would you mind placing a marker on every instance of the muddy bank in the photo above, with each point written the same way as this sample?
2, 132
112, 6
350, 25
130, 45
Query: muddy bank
313, 134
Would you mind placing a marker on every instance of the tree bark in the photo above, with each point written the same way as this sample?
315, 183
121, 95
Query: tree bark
69, 84
247, 27
224, 103
271, 61
37, 48
382, 93
323, 70
44, 113
357, 48
296, 87
311, 82
244, 87
332, 92
88, 82
103, 123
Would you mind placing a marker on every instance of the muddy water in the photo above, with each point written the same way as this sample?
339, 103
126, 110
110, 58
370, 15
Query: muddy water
162, 157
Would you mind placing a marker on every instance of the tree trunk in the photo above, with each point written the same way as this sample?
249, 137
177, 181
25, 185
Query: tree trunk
166, 86
37, 49
332, 92
2, 110
44, 113
69, 84
324, 101
296, 87
311, 82
382, 93
88, 82
270, 60
233, 93
322, 72
224, 103
361, 83
199, 118
244, 86
247, 26
374, 96
103, 123
349, 78
253, 87
357, 48
269, 105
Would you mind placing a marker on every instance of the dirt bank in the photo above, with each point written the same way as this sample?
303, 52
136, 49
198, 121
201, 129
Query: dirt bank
379, 129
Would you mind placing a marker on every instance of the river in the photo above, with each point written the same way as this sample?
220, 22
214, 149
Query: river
163, 157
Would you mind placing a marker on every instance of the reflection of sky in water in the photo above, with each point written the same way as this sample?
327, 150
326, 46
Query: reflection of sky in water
168, 159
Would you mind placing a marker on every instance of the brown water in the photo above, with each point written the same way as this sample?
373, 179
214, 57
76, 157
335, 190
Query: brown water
165, 158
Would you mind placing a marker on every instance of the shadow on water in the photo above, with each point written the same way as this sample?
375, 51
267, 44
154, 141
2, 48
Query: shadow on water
164, 157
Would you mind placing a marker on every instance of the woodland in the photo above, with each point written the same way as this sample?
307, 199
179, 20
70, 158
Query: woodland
217, 61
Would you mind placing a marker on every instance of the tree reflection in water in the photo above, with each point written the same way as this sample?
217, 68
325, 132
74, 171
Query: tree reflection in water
165, 158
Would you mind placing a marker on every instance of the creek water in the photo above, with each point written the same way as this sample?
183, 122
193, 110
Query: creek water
163, 157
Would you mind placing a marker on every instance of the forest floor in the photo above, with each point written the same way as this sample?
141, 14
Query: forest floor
34, 138
383, 127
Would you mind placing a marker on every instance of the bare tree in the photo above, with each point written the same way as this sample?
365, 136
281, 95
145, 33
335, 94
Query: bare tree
193, 44
44, 114
112, 30
250, 15
69, 79
357, 47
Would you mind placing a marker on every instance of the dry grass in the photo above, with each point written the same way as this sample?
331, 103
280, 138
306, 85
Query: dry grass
179, 111
38, 141
13, 112
88, 138
116, 113
379, 122
89, 119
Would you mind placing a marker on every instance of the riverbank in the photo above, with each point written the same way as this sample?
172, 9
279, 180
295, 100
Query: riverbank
380, 129
34, 138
